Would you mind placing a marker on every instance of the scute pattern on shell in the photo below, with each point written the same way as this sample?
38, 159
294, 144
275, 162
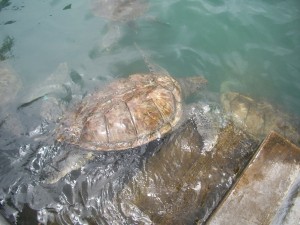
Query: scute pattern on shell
126, 114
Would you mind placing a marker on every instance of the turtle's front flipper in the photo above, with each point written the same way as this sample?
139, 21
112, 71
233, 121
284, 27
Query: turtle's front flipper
153, 68
65, 164
55, 85
111, 37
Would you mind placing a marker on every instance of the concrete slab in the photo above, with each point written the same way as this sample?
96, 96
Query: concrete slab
289, 211
261, 189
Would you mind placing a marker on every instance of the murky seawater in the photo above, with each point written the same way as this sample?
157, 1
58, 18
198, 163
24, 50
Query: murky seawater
66, 49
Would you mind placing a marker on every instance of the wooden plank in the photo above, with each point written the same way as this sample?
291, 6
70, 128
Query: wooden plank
265, 183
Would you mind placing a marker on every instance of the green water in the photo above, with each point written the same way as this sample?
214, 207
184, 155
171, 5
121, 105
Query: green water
252, 47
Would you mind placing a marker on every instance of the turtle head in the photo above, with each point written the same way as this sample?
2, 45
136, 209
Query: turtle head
191, 85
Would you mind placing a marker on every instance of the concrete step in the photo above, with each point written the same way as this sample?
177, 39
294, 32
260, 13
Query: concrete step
264, 192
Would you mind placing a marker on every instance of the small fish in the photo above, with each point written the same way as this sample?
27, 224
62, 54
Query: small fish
9, 22
67, 7
76, 78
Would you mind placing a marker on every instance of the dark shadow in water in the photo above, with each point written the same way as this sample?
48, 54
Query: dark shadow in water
5, 50
4, 3
28, 216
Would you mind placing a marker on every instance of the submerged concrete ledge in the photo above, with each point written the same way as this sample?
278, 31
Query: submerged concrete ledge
183, 185
264, 185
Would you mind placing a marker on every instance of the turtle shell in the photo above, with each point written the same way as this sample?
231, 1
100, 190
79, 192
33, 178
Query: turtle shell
259, 118
126, 114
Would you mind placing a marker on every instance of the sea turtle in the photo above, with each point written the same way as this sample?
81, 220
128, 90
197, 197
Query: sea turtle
10, 85
259, 117
57, 84
119, 10
116, 12
43, 103
128, 113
